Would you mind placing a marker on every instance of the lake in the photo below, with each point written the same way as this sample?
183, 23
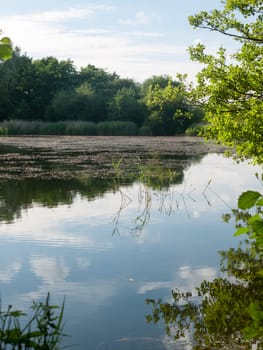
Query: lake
109, 244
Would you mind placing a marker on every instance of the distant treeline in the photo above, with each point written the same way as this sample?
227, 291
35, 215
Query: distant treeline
48, 96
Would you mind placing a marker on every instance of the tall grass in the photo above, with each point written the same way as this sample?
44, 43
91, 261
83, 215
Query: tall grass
117, 128
145, 130
43, 330
107, 128
18, 127
80, 127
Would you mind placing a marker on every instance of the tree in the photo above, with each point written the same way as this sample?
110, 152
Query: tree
52, 76
230, 88
17, 87
79, 104
157, 80
169, 107
126, 106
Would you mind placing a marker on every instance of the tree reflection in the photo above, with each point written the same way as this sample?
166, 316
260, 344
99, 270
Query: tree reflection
17, 195
226, 313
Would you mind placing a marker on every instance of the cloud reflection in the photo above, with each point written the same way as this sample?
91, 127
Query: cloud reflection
9, 272
50, 269
187, 278
92, 293
83, 263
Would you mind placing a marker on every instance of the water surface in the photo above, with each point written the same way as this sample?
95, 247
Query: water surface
107, 246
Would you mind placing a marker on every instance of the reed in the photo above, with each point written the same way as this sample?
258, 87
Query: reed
21, 127
81, 128
106, 128
43, 330
117, 128
145, 130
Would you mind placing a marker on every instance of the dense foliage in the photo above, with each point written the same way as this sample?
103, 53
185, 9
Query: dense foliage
230, 87
49, 90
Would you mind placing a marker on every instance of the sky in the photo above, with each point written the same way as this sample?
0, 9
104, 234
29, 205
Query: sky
134, 38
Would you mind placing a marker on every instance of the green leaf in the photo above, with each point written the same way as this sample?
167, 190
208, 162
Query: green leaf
6, 41
34, 334
260, 202
241, 231
17, 313
148, 318
248, 199
257, 227
5, 51
253, 219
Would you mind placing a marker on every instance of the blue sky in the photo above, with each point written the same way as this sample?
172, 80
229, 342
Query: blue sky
134, 38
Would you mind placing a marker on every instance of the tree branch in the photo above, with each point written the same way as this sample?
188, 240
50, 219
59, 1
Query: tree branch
258, 40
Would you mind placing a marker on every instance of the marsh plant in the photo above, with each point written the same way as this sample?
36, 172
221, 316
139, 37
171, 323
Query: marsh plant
43, 330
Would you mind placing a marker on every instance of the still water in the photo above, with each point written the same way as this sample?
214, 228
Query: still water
107, 248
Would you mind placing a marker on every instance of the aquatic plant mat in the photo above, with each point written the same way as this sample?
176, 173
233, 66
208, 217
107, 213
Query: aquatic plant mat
66, 157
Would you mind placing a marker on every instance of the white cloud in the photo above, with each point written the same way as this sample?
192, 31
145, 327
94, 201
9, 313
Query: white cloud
55, 16
127, 53
139, 34
140, 18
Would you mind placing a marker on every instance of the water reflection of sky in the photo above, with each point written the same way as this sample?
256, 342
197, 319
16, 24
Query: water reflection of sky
101, 256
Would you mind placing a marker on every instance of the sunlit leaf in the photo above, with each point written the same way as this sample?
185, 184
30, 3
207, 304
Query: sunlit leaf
258, 227
6, 41
241, 231
5, 51
260, 202
248, 199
